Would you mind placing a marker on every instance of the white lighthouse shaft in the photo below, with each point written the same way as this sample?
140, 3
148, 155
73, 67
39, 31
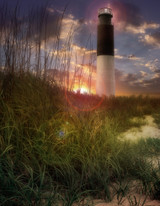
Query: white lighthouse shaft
105, 82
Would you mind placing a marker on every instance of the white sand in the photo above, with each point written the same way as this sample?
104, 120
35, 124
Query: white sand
149, 130
125, 201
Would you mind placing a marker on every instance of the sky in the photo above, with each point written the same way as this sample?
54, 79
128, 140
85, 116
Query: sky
136, 34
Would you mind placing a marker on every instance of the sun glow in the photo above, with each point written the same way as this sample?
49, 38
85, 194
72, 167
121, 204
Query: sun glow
82, 90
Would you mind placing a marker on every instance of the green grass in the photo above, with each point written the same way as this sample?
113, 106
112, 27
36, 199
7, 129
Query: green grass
51, 152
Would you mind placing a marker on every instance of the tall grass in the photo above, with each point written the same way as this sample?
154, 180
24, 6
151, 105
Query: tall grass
52, 152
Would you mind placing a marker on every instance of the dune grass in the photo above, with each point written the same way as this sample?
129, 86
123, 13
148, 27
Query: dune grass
51, 153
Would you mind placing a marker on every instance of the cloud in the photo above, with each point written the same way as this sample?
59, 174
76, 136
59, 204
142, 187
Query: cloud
153, 65
124, 13
45, 23
137, 83
153, 85
127, 13
128, 57
141, 29
82, 56
152, 39
86, 68
144, 74
41, 23
156, 75
82, 51
69, 27
127, 17
35, 24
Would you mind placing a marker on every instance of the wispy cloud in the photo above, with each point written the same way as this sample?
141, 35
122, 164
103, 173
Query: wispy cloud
131, 57
153, 65
137, 83
69, 27
144, 74
141, 29
152, 39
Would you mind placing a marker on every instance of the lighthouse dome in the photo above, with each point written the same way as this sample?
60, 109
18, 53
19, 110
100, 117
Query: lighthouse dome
105, 10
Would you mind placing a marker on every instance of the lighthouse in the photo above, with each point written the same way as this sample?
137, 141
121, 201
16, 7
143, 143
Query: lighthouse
105, 81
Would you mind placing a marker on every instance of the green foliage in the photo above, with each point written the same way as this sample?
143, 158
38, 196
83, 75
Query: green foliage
51, 152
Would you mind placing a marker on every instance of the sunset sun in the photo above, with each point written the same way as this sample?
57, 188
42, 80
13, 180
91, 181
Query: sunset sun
82, 90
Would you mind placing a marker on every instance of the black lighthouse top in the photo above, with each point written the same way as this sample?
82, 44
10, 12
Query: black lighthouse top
105, 34
105, 15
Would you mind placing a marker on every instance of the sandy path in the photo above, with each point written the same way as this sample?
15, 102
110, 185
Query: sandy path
125, 202
148, 130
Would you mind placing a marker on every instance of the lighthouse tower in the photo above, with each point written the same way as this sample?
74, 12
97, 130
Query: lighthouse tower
105, 82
